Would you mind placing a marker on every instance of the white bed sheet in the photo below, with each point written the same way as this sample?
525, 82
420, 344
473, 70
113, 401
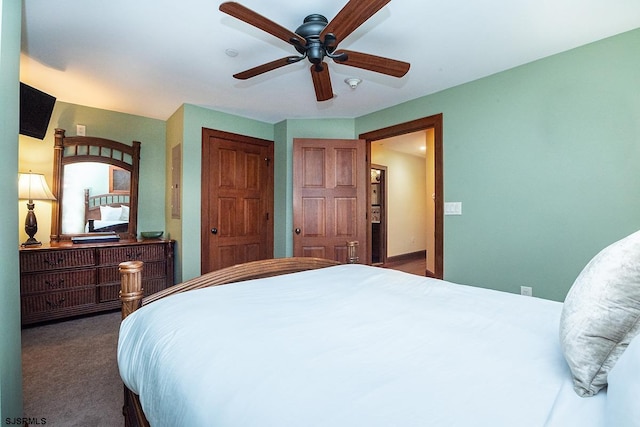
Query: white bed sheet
351, 345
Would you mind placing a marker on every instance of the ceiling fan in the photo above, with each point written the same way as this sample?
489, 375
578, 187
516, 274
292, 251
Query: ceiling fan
318, 38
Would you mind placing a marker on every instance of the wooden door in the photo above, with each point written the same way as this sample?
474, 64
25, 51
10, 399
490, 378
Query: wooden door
329, 197
237, 199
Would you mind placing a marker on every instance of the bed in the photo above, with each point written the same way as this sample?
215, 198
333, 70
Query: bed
309, 342
106, 212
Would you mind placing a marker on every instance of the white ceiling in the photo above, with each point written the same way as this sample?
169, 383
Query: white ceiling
414, 143
148, 57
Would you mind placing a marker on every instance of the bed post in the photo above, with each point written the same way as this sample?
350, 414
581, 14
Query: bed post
131, 292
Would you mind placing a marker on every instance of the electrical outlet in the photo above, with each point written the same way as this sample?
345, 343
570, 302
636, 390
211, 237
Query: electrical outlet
526, 291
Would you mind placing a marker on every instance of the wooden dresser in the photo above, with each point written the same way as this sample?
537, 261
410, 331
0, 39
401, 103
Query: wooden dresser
61, 280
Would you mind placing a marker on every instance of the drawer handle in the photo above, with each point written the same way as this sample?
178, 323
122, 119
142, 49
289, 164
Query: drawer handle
55, 262
55, 285
55, 305
133, 256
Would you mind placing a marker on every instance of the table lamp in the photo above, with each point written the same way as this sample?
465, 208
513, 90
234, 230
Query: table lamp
32, 186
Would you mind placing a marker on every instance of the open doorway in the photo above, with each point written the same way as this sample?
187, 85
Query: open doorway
405, 204
378, 214
426, 193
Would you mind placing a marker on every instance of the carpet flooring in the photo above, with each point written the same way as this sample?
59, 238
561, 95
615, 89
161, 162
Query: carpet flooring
70, 374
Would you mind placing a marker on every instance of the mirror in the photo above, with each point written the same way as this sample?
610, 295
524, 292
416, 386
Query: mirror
95, 182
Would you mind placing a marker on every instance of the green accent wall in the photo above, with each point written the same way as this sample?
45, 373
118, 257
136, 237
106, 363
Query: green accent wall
10, 341
175, 126
37, 155
544, 159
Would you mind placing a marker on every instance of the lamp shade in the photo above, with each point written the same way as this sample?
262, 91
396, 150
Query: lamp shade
32, 186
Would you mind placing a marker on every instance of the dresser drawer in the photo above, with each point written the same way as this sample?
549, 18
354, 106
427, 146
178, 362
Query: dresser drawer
152, 286
150, 270
55, 260
56, 301
56, 281
116, 255
66, 280
112, 292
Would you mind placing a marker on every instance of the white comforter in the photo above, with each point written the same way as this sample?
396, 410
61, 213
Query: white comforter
351, 346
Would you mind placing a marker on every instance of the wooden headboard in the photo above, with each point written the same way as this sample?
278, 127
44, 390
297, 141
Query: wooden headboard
92, 205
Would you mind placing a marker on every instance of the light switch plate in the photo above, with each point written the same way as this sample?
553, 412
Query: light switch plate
453, 208
81, 130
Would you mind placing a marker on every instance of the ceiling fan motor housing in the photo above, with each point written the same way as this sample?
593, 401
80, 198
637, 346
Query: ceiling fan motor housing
312, 26
310, 30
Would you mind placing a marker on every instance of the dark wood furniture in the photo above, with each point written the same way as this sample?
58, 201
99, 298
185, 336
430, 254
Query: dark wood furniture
63, 279
132, 282
71, 150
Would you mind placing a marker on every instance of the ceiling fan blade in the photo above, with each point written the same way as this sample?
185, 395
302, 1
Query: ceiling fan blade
322, 82
375, 63
352, 15
252, 18
269, 66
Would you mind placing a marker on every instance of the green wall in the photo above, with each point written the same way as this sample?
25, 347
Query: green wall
10, 363
37, 155
175, 126
544, 159
127, 128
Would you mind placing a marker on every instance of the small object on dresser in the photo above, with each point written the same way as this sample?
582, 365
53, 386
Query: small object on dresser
96, 238
151, 234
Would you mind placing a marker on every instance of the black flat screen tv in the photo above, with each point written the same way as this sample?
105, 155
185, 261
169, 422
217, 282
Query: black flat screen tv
35, 111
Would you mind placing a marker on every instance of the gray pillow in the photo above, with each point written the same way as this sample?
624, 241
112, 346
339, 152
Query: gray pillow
622, 407
601, 314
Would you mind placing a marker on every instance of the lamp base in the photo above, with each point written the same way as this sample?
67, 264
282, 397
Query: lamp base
31, 226
31, 242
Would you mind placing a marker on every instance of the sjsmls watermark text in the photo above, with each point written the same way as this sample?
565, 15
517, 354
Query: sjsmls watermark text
37, 421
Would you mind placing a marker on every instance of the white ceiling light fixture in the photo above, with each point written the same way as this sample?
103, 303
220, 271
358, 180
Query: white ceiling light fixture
353, 82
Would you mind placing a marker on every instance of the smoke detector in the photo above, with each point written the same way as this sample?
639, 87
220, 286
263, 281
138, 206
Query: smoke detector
353, 82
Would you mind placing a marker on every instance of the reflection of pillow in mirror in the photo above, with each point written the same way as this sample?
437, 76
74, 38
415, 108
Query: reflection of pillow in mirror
124, 216
107, 213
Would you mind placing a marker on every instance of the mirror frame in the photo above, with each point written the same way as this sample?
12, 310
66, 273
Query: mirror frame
75, 149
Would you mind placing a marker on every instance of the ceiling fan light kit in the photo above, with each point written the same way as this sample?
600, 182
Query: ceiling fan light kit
317, 39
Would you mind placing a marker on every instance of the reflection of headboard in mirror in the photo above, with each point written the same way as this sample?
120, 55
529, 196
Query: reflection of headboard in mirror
106, 212
96, 196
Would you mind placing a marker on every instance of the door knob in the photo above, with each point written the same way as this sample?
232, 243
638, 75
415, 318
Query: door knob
297, 230
214, 231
